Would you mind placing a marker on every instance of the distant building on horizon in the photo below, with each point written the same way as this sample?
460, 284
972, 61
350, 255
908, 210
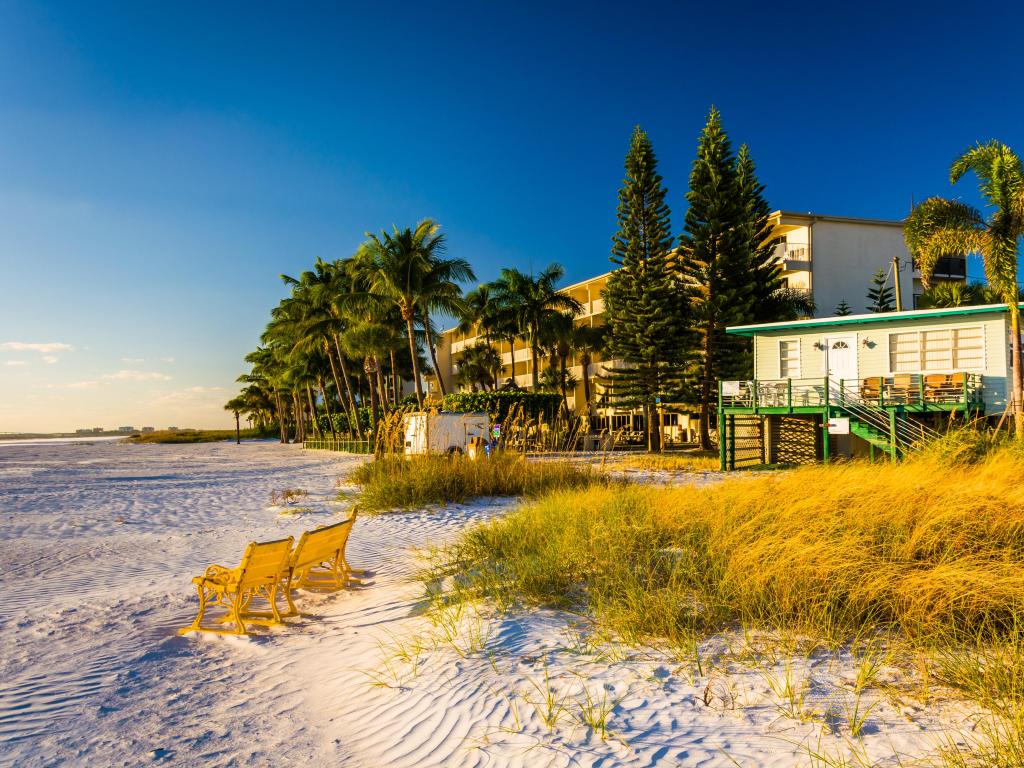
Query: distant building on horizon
149, 429
126, 429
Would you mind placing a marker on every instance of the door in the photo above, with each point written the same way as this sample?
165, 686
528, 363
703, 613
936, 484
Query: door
841, 362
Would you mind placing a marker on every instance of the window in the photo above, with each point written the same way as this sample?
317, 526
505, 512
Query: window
789, 359
943, 349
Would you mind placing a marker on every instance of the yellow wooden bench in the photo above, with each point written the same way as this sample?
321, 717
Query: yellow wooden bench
263, 568
318, 561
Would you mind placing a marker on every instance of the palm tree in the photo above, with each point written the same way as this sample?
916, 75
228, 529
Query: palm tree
940, 228
528, 302
587, 341
237, 405
477, 366
440, 292
945, 295
394, 267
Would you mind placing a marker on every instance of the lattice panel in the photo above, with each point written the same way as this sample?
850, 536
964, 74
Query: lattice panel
794, 440
749, 440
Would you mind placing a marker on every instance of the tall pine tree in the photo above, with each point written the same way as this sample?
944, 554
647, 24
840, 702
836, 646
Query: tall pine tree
644, 298
716, 260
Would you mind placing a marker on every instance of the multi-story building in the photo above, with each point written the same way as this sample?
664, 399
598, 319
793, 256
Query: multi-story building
834, 257
831, 257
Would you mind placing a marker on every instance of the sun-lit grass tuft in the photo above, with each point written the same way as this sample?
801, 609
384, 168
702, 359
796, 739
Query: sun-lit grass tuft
400, 482
670, 462
926, 556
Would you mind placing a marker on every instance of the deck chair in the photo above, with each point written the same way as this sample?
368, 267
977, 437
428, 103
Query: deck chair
902, 387
957, 381
264, 565
871, 388
318, 562
936, 387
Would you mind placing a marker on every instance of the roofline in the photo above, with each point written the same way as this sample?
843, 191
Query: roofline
812, 217
877, 317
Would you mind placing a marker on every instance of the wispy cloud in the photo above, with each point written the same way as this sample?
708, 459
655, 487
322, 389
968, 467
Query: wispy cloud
131, 375
191, 396
49, 359
133, 359
166, 359
16, 363
83, 385
45, 348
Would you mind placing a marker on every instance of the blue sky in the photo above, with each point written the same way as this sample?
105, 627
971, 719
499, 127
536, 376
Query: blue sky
161, 164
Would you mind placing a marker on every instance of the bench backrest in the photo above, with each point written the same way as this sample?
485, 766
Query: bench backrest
321, 545
264, 562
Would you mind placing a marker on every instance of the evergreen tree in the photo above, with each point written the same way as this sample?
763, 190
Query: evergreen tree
771, 299
843, 309
644, 299
880, 294
716, 260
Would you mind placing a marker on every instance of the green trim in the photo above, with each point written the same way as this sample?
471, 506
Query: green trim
881, 317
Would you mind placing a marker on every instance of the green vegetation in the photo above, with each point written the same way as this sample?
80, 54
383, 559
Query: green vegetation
922, 561
732, 271
199, 436
399, 482
939, 228
672, 462
646, 300
880, 294
503, 403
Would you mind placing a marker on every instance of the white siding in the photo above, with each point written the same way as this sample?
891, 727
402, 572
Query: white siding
873, 349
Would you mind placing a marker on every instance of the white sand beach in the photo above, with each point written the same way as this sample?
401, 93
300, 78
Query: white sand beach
98, 544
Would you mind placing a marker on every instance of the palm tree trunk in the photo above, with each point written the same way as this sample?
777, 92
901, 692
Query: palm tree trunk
533, 368
354, 418
368, 370
300, 426
1017, 405
585, 364
412, 353
238, 430
334, 375
381, 388
394, 378
281, 424
433, 354
317, 429
563, 375
327, 408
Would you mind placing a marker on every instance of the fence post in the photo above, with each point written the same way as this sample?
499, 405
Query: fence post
721, 430
825, 447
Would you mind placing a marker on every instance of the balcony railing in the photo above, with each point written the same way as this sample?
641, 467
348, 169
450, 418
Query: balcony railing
963, 389
792, 252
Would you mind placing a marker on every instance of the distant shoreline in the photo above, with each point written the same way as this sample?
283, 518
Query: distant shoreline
61, 435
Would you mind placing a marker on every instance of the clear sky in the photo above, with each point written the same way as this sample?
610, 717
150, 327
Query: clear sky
162, 163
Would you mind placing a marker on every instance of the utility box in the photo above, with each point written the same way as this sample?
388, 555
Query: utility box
444, 432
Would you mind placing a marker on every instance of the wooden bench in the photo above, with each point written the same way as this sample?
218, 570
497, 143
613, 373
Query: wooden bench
318, 562
263, 568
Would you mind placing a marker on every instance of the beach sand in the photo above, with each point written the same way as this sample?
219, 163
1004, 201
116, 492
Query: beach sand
99, 543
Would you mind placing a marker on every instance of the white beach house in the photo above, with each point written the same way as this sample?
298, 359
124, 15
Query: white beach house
855, 385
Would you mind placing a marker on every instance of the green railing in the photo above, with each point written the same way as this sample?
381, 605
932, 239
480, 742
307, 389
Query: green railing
959, 389
343, 446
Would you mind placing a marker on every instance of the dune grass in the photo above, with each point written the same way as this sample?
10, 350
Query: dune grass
670, 462
196, 436
399, 482
926, 556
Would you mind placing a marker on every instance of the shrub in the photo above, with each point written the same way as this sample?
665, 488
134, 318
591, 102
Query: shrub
500, 404
399, 482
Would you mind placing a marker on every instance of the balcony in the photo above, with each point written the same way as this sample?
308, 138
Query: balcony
793, 256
